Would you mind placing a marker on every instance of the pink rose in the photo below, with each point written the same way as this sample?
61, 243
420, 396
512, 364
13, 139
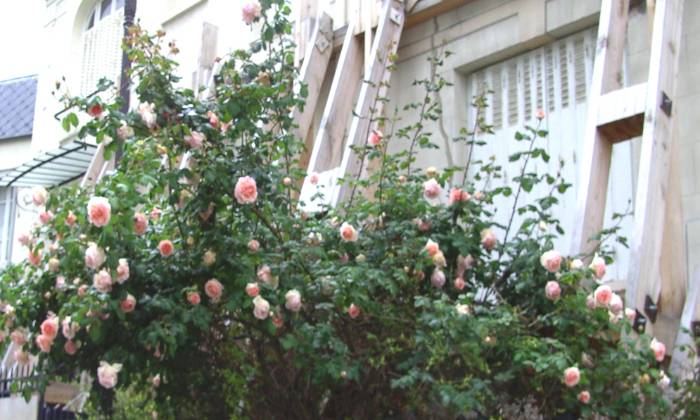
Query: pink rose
124, 131
261, 307
375, 138
459, 283
193, 298
458, 195
246, 191
572, 376
94, 256
616, 306
277, 320
598, 266
353, 311
39, 196
348, 232
479, 195
54, 265
462, 309
69, 328
552, 290
49, 327
44, 343
99, 211
253, 245
213, 288
70, 347
82, 290
70, 219
630, 314
539, 114
293, 300
60, 283
213, 119
313, 178
431, 189
463, 264
551, 261
24, 238
590, 301
122, 270
195, 139
432, 247
252, 289
659, 349
45, 217
251, 11
19, 337
155, 214
437, 278
603, 295
34, 257
265, 274
140, 223
583, 396
165, 247
102, 281
148, 114
488, 239
128, 304
108, 374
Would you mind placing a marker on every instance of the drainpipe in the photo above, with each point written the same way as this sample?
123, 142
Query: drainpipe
124, 82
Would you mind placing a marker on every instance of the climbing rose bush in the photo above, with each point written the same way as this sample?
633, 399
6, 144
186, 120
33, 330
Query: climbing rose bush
192, 276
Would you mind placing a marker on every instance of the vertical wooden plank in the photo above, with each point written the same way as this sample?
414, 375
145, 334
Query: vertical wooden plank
313, 73
653, 194
367, 27
681, 364
595, 162
93, 171
385, 45
207, 52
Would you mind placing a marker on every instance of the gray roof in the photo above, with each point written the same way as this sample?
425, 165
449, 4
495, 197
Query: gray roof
17, 97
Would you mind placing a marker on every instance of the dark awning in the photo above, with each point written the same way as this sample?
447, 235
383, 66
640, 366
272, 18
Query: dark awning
57, 167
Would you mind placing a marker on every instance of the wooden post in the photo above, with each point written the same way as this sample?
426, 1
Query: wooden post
681, 363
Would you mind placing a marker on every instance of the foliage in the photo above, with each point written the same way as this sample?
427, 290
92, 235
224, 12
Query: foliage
382, 326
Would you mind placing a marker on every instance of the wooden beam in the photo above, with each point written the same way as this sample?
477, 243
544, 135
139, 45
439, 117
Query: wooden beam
681, 364
423, 10
595, 163
652, 197
385, 45
95, 169
313, 73
621, 113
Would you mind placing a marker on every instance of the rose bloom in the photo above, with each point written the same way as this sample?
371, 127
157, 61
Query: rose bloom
122, 270
246, 191
313, 178
82, 290
213, 119
261, 307
70, 219
124, 131
195, 140
459, 283
348, 232
193, 298
34, 257
375, 137
213, 288
24, 238
148, 115
99, 211
432, 247
353, 311
431, 189
576, 264
252, 289
293, 300
590, 301
128, 304
598, 266
551, 260
584, 397
265, 274
462, 309
552, 290
479, 195
539, 114
659, 349
95, 110
140, 223
253, 245
572, 376
44, 343
69, 328
165, 247
19, 337
45, 217
616, 306
102, 281
94, 256
39, 196
463, 264
70, 347
457, 195
155, 214
60, 283
488, 239
437, 278
630, 314
54, 264
251, 11
603, 295
108, 374
664, 380
49, 327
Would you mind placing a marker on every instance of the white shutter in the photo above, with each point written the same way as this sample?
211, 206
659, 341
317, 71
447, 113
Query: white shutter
102, 53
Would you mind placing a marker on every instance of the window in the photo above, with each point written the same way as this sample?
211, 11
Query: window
7, 213
102, 10
101, 44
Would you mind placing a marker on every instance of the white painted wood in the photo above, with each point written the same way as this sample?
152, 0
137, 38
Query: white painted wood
682, 362
622, 104
96, 164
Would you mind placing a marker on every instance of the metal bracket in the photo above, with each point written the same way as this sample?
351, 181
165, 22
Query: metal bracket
650, 309
395, 15
640, 323
666, 104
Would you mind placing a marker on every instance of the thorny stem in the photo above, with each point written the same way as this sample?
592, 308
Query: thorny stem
384, 154
471, 147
